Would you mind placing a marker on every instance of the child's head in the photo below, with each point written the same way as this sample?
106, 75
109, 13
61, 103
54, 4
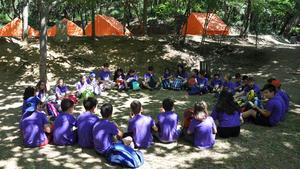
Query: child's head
269, 81
202, 73
168, 104
136, 107
251, 81
29, 92
82, 78
268, 91
106, 110
200, 110
131, 72
41, 85
106, 66
195, 72
180, 68
60, 82
41, 106
90, 104
92, 75
216, 76
237, 76
150, 69
227, 77
67, 105
167, 70
245, 79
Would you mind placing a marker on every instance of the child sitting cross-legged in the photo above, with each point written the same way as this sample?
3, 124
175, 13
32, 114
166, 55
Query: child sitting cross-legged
140, 126
106, 133
168, 123
120, 79
202, 128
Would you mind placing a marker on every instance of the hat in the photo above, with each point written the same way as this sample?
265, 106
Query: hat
276, 83
92, 74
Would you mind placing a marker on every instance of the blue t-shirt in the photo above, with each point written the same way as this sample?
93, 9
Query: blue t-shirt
141, 126
285, 98
167, 123
104, 75
103, 133
216, 83
202, 82
63, 133
227, 120
33, 129
229, 86
275, 107
85, 124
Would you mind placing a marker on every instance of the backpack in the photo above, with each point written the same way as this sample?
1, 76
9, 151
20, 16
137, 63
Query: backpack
166, 84
125, 156
152, 82
87, 93
52, 110
135, 85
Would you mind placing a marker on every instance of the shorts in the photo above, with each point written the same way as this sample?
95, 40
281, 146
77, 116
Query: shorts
261, 120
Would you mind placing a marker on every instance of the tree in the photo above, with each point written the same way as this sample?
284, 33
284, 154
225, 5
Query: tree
25, 21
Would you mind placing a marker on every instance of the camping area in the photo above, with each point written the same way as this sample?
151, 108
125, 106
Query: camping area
48, 39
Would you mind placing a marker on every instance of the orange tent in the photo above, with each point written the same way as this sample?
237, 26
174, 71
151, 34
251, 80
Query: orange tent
106, 26
14, 28
72, 29
196, 22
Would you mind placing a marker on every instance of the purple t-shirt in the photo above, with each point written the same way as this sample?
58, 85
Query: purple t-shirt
216, 82
230, 86
85, 124
227, 120
61, 90
81, 86
285, 98
105, 75
132, 77
147, 76
33, 129
284, 109
167, 75
275, 107
203, 132
167, 123
103, 133
141, 125
63, 133
202, 82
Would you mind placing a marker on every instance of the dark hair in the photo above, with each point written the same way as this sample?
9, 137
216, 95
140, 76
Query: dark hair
216, 74
202, 72
150, 68
237, 75
251, 79
269, 87
116, 76
269, 81
66, 104
245, 77
105, 65
106, 110
29, 92
229, 77
131, 71
89, 103
182, 68
167, 69
136, 107
226, 103
168, 104
39, 84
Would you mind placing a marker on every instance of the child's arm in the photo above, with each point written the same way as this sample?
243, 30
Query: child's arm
47, 128
154, 127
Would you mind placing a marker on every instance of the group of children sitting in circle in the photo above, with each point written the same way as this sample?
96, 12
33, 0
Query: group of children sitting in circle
236, 101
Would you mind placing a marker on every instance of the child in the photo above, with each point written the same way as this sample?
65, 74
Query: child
167, 123
203, 82
81, 86
34, 128
270, 116
105, 131
202, 127
61, 90
150, 81
193, 87
251, 85
238, 82
216, 83
41, 90
227, 113
119, 79
228, 85
132, 80
30, 101
94, 84
283, 95
86, 122
166, 80
140, 126
180, 78
64, 133
105, 77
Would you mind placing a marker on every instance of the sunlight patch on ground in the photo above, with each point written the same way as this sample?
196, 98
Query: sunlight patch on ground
10, 106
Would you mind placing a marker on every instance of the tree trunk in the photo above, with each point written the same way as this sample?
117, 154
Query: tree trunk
289, 23
93, 21
43, 40
25, 22
247, 19
187, 14
144, 25
82, 21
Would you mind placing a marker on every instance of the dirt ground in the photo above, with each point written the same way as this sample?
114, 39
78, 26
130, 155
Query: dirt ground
256, 147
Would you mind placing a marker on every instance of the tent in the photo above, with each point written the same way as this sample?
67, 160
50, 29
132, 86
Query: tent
72, 29
196, 22
14, 28
106, 26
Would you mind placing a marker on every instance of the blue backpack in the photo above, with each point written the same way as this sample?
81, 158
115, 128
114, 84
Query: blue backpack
177, 84
125, 156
